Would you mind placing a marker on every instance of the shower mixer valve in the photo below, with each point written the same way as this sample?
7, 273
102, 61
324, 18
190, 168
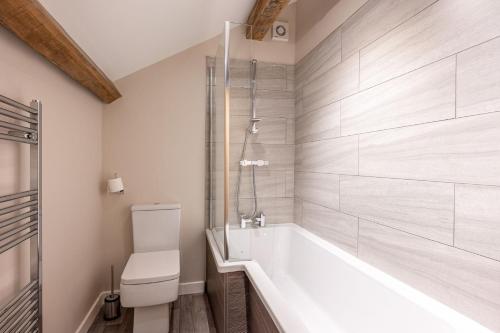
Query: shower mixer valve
259, 221
256, 163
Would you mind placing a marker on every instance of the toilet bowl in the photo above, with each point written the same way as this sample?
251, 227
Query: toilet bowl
150, 280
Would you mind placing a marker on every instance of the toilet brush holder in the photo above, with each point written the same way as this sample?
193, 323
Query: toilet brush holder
112, 306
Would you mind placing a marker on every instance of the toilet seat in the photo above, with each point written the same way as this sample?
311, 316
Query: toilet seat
150, 278
149, 294
151, 267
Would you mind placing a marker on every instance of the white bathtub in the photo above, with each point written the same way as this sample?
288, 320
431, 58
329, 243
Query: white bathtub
309, 285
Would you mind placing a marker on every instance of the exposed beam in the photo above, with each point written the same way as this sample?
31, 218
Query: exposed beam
37, 28
262, 17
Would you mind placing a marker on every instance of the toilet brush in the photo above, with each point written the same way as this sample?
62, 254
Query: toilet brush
112, 301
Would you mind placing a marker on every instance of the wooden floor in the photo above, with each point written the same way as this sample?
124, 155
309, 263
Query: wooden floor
191, 314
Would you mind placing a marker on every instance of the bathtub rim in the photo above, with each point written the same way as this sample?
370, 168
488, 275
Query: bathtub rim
285, 317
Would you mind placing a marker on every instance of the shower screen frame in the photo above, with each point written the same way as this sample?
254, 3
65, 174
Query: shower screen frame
231, 29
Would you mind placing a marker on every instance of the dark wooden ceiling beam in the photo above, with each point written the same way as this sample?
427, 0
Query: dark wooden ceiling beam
29, 20
262, 17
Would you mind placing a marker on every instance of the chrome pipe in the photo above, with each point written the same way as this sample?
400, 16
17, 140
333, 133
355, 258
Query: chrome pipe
227, 106
20, 306
15, 115
23, 312
18, 105
18, 206
33, 325
17, 139
20, 318
17, 241
211, 102
17, 218
18, 195
15, 127
28, 319
36, 184
253, 87
27, 290
12, 232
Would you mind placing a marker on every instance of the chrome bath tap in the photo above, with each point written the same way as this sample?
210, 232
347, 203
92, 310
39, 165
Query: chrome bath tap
259, 221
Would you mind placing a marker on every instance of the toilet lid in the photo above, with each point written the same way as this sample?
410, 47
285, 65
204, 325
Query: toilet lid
148, 267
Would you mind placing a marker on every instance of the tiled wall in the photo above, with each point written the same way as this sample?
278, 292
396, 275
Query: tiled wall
398, 146
274, 141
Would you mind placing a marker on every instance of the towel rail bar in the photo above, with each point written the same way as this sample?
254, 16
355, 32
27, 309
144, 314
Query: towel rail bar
17, 241
25, 321
17, 116
21, 318
18, 309
18, 105
19, 195
33, 326
17, 218
21, 216
15, 127
17, 139
19, 206
26, 291
12, 232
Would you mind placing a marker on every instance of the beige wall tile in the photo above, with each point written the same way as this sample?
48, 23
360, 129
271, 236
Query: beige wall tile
319, 60
478, 79
425, 95
465, 281
289, 184
239, 102
443, 29
375, 19
299, 106
319, 188
271, 130
290, 78
463, 150
280, 157
297, 211
290, 131
422, 64
277, 210
338, 155
269, 76
239, 73
477, 225
421, 208
335, 84
275, 104
269, 103
269, 183
323, 123
332, 225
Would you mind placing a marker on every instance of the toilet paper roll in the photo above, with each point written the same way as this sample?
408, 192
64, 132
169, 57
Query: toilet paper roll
115, 185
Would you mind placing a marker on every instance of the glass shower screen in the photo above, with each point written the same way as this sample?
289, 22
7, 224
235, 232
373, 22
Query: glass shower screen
229, 77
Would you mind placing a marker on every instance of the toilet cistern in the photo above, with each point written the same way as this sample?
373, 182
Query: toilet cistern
150, 280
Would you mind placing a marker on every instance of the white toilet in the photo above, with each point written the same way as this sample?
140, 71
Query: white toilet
150, 281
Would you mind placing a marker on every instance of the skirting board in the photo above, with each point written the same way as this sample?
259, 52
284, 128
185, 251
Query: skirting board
187, 288
197, 287
93, 312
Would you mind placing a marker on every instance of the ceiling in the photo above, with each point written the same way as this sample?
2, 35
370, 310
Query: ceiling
123, 36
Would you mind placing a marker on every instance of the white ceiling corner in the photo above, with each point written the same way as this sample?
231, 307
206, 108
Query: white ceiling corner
123, 36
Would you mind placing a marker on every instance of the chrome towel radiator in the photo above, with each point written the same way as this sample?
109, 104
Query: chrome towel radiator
21, 217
